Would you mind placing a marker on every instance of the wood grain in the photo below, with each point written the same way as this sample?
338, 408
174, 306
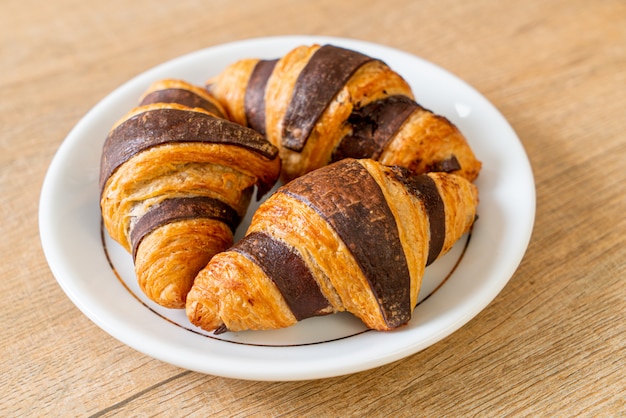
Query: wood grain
553, 343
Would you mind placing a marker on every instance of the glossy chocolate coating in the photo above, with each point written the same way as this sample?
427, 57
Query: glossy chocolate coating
373, 126
181, 96
286, 268
322, 77
254, 99
352, 203
162, 126
177, 209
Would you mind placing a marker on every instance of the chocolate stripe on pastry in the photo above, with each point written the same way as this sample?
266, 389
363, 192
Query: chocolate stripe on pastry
177, 209
447, 166
323, 76
367, 228
286, 268
426, 189
162, 126
373, 126
254, 99
180, 96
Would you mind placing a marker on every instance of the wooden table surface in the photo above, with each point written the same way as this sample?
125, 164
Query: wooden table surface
552, 343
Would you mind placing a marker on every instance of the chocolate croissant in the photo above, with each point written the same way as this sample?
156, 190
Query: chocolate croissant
175, 181
351, 236
319, 104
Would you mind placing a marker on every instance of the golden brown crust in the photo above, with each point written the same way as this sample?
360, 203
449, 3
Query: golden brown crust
425, 142
219, 295
216, 177
222, 299
460, 199
230, 88
169, 258
372, 81
370, 204
177, 170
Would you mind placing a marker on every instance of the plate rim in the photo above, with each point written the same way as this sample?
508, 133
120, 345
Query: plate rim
249, 369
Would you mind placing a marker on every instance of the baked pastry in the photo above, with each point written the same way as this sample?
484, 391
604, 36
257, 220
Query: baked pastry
352, 236
319, 104
171, 90
175, 182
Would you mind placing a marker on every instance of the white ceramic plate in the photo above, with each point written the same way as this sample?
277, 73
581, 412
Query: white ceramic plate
97, 275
